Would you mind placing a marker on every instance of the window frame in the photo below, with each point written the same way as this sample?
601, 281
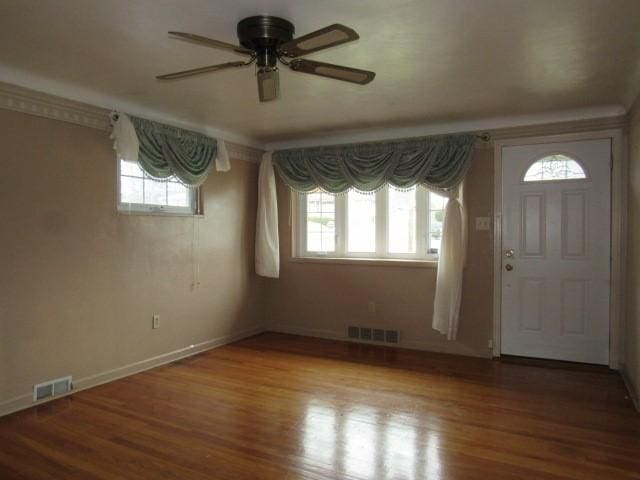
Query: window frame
341, 252
194, 208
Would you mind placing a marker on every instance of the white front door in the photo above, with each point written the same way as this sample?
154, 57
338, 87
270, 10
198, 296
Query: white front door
556, 250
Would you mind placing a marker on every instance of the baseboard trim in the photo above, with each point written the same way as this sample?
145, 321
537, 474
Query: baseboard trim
633, 393
26, 401
450, 347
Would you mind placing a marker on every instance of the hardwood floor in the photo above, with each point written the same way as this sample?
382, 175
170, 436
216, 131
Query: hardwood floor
286, 407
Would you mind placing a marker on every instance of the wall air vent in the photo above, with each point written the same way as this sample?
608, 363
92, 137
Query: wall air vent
52, 388
353, 332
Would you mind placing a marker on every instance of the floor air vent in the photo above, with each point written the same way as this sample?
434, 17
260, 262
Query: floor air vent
52, 388
365, 333
391, 336
353, 332
369, 334
378, 335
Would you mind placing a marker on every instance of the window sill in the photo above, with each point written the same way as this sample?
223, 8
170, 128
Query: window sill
373, 262
127, 212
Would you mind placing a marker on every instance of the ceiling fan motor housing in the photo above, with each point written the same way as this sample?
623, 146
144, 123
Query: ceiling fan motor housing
264, 34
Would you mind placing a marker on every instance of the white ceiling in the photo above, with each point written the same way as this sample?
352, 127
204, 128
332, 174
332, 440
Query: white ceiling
437, 61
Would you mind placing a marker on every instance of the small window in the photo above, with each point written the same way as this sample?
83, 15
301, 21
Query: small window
389, 224
138, 192
554, 167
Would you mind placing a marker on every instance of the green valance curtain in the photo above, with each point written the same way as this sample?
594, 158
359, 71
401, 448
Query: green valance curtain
166, 151
435, 162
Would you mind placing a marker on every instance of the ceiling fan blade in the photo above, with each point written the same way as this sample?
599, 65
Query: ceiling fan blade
210, 42
198, 71
268, 84
319, 40
338, 72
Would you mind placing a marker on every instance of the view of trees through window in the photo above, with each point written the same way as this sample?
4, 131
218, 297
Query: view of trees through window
387, 224
402, 221
136, 187
437, 204
321, 222
361, 211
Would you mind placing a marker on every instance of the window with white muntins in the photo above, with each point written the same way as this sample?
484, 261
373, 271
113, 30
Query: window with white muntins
388, 224
138, 192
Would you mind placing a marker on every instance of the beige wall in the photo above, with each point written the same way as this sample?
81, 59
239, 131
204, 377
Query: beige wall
322, 299
632, 334
79, 282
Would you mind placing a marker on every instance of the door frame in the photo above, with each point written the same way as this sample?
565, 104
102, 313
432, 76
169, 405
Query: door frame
619, 167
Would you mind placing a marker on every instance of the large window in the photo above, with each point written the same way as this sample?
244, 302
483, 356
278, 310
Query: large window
138, 192
386, 224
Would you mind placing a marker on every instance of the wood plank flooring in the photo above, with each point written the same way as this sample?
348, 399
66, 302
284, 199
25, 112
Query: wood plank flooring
285, 407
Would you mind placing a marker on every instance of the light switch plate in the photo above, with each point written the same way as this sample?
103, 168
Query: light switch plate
156, 321
483, 223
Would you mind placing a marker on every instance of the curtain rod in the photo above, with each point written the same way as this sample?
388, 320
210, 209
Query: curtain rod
484, 136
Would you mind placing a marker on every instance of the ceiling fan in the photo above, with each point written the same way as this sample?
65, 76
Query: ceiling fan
268, 40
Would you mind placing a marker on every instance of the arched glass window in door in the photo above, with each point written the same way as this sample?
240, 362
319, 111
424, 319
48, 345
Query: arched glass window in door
554, 167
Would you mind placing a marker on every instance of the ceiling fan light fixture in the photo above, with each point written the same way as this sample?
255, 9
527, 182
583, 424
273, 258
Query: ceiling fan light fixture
268, 83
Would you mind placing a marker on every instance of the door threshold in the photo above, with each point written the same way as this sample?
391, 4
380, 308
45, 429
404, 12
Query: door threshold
557, 364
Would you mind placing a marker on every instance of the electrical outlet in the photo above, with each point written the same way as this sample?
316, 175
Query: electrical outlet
483, 223
156, 321
490, 344
372, 307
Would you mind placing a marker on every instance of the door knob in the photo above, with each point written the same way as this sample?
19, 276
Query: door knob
509, 253
508, 267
